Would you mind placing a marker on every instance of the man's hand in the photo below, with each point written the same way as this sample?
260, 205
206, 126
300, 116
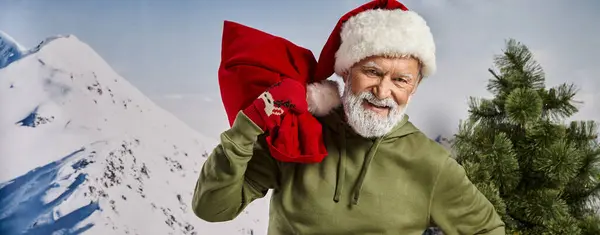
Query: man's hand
268, 109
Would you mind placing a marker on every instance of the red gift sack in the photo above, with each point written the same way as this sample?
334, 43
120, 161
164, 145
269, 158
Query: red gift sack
251, 62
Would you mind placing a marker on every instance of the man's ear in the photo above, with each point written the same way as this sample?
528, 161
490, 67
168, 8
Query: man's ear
420, 79
345, 76
416, 87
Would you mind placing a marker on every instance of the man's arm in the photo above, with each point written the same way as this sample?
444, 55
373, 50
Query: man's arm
458, 207
236, 173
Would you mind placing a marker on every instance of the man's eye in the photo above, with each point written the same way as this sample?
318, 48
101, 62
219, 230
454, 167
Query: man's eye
401, 80
371, 72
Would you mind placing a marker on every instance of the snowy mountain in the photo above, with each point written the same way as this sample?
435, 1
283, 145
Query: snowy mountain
444, 141
10, 50
82, 151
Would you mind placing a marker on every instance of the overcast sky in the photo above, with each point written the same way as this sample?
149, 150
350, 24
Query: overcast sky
171, 51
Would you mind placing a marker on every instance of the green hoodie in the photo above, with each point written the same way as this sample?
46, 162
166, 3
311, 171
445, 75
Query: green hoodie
398, 184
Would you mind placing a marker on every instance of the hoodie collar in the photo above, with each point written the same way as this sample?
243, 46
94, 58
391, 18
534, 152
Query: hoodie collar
336, 122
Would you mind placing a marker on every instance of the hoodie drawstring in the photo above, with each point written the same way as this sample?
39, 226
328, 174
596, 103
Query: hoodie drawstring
363, 171
341, 171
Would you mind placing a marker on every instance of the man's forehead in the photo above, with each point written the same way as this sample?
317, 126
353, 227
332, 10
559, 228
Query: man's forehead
372, 63
381, 66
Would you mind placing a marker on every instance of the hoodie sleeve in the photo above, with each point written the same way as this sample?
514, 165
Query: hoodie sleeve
237, 172
457, 206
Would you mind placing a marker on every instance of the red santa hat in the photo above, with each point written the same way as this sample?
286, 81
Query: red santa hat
377, 28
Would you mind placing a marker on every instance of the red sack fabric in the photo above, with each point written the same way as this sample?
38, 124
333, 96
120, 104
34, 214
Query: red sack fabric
251, 62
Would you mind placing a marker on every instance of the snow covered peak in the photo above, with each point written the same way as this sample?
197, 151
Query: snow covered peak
10, 50
76, 55
10, 41
83, 150
65, 80
51, 39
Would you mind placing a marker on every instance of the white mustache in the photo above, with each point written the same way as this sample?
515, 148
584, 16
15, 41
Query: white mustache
387, 102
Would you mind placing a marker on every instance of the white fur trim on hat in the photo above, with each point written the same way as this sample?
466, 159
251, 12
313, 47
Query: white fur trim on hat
385, 32
322, 97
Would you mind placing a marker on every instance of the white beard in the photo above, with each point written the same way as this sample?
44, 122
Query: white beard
368, 123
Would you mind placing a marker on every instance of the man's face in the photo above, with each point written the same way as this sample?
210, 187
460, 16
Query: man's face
377, 92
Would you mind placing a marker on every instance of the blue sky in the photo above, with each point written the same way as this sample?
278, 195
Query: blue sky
170, 49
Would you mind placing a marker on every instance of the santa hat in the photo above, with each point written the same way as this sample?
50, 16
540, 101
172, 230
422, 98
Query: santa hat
380, 27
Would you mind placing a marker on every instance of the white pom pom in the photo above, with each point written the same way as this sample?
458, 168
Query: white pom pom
322, 97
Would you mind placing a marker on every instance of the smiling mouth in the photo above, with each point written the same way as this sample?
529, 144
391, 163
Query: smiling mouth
366, 102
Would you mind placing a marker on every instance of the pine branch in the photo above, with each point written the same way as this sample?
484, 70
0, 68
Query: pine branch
559, 103
505, 164
586, 185
498, 85
483, 110
590, 225
519, 67
523, 106
582, 132
558, 163
537, 207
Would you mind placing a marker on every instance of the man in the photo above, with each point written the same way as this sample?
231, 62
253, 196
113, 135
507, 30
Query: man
381, 174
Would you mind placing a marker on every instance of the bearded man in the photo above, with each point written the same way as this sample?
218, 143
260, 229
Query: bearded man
381, 174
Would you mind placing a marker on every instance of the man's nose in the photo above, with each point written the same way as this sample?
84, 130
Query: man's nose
383, 89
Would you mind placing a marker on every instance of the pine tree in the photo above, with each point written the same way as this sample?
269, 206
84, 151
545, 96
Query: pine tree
541, 172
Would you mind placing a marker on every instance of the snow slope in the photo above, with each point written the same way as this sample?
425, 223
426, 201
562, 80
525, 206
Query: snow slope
82, 151
10, 50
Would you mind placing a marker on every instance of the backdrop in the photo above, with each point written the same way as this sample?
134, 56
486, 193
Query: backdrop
109, 108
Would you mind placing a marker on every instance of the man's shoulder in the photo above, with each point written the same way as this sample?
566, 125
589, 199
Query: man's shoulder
422, 143
423, 148
422, 156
